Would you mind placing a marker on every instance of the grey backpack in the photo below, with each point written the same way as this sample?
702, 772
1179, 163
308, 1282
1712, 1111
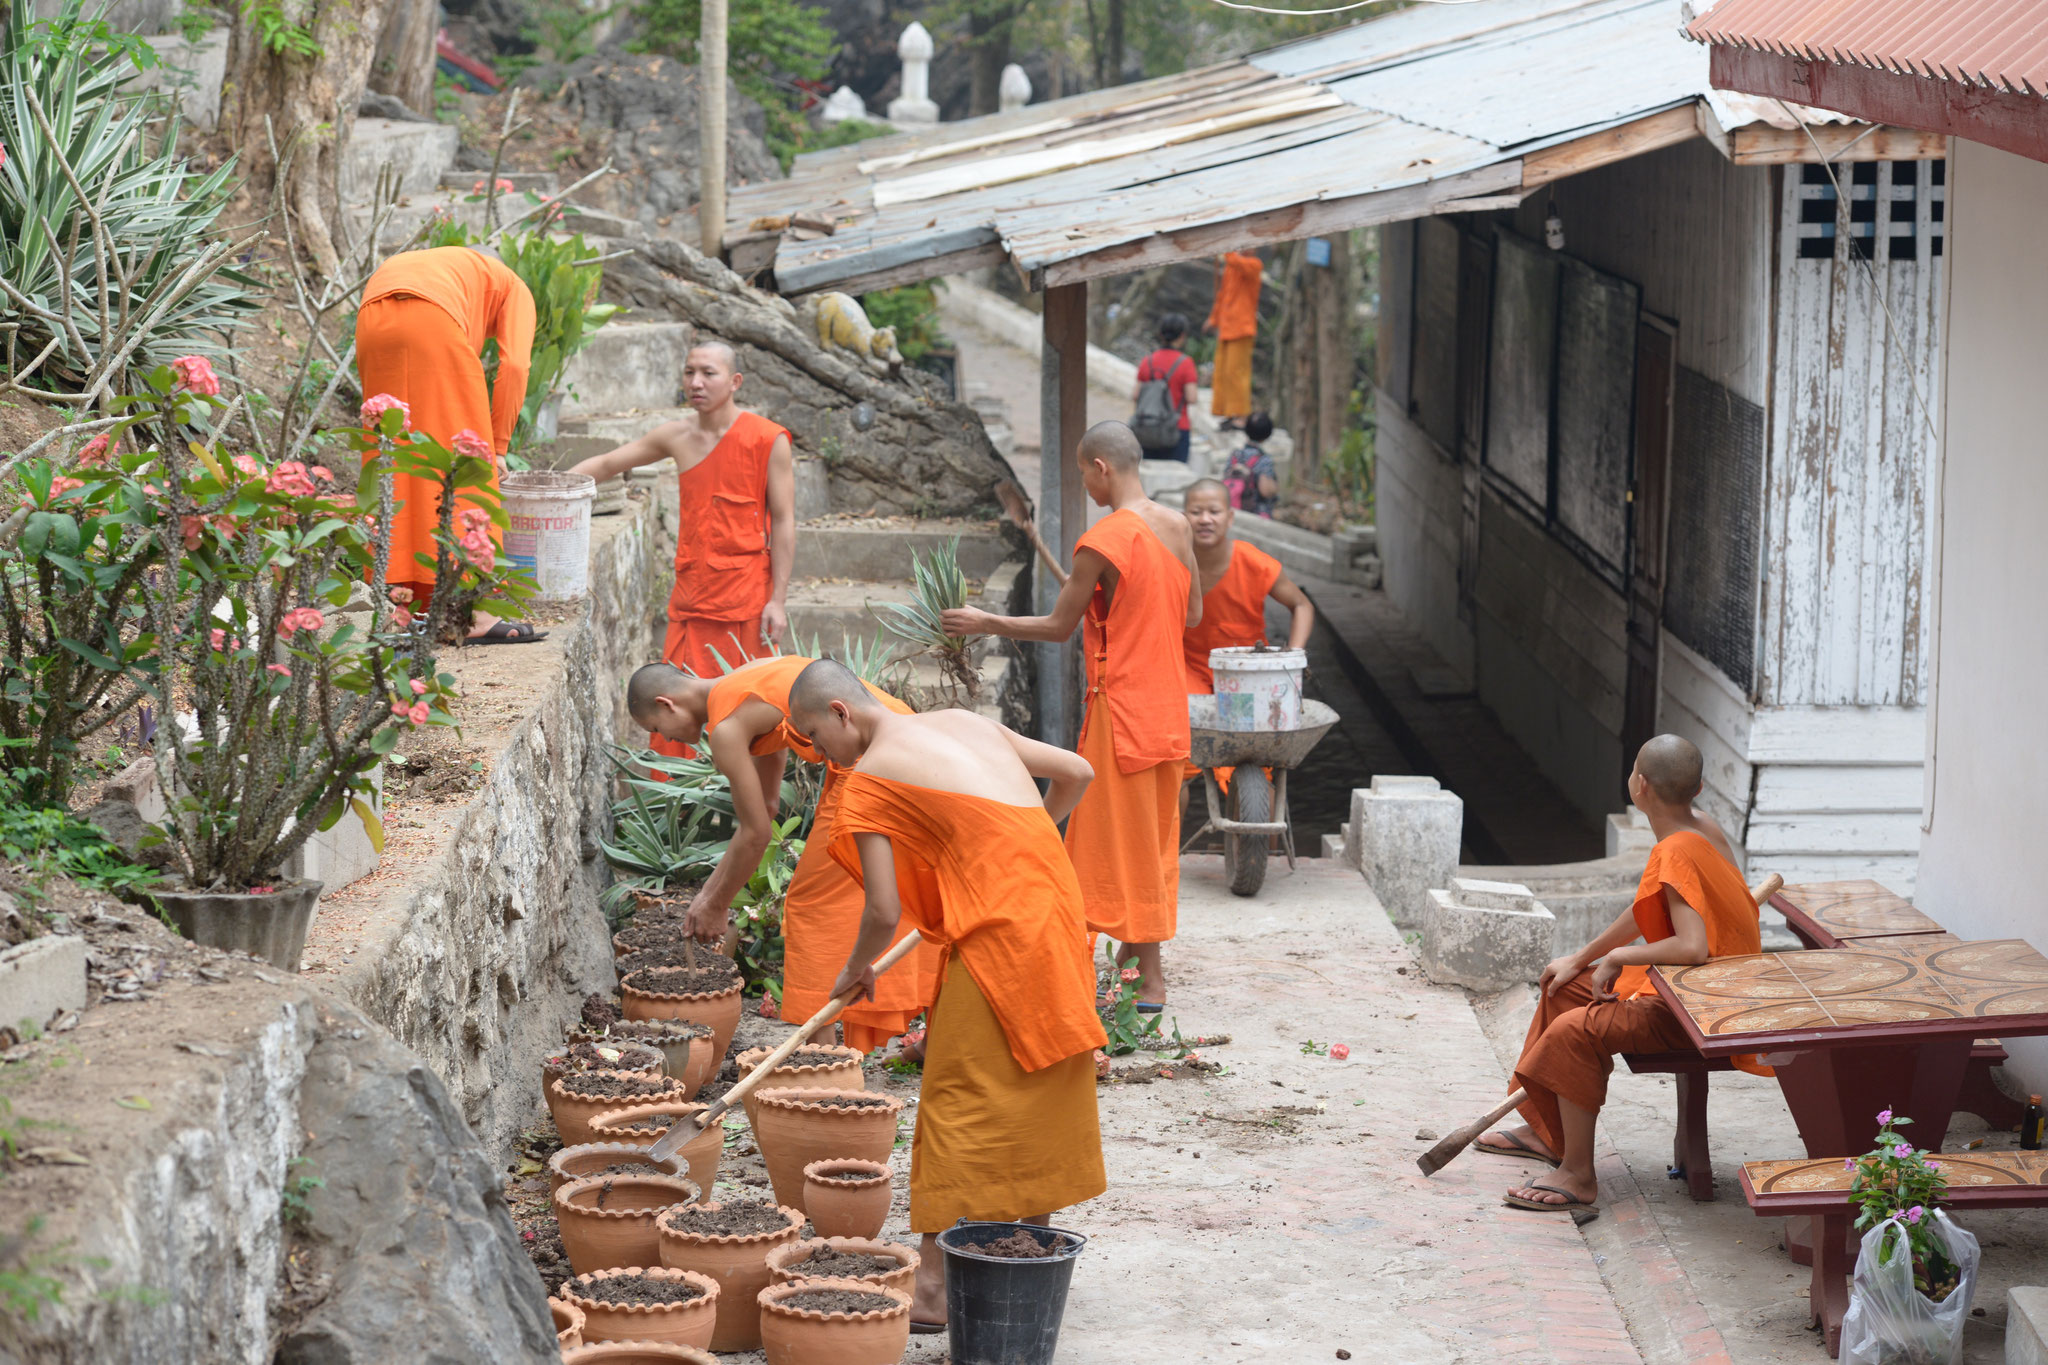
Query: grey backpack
1156, 423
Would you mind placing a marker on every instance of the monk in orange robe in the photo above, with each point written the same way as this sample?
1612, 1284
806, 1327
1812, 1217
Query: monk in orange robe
420, 337
943, 823
746, 715
1690, 906
737, 538
1133, 592
1234, 320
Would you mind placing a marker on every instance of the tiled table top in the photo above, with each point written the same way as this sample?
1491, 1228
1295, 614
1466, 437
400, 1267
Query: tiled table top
1854, 910
1963, 1169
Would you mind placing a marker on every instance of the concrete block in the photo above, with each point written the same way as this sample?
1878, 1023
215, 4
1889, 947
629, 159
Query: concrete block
2026, 1326
194, 71
1333, 846
136, 784
1408, 831
1629, 833
418, 152
340, 854
628, 367
40, 979
813, 490
1485, 936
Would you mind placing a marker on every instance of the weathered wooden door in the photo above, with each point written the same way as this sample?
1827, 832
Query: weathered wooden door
1656, 371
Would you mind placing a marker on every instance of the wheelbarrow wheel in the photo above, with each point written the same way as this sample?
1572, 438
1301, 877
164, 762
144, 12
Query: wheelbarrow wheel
1244, 855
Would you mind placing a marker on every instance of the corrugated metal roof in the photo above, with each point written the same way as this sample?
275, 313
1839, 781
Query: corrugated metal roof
1395, 117
1998, 44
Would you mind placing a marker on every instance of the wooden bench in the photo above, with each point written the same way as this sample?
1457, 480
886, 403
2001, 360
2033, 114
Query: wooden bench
1690, 1160
1818, 1188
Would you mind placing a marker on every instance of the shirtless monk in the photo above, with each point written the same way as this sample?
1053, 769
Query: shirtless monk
738, 532
941, 820
1690, 905
1236, 579
1133, 590
745, 713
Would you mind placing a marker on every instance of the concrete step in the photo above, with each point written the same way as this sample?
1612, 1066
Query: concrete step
419, 152
880, 548
628, 367
466, 182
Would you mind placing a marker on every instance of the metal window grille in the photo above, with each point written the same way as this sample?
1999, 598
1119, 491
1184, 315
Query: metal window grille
1885, 200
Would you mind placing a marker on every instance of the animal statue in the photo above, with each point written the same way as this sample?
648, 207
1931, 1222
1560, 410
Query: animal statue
843, 325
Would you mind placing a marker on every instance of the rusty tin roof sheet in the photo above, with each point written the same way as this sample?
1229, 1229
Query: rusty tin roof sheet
1998, 44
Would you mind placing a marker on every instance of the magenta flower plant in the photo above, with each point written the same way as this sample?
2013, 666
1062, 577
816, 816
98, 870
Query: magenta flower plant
1894, 1180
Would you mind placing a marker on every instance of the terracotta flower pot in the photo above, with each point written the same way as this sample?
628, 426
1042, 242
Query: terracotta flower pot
685, 1046
681, 1324
719, 1010
847, 1208
738, 1263
568, 1324
786, 1264
801, 1336
843, 1073
270, 924
796, 1127
701, 1153
620, 1231
637, 1353
573, 1112
574, 1163
634, 1060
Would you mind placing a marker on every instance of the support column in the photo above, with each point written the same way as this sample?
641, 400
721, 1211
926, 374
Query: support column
1062, 501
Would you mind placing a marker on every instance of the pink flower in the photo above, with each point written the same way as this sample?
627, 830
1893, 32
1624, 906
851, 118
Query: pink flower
768, 1009
401, 616
63, 484
1339, 1051
190, 529
298, 619
260, 890
376, 405
218, 637
401, 710
1884, 1116
1914, 1214
1128, 974
419, 689
291, 480
321, 472
195, 374
95, 452
399, 595
1848, 1163
419, 713
1934, 1165
278, 669
470, 445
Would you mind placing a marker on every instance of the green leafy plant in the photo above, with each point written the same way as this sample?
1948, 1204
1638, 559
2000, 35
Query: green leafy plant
1128, 1030
194, 22
666, 830
275, 30
53, 840
937, 585
563, 276
757, 910
913, 310
770, 45
294, 1201
1895, 1181
26, 1286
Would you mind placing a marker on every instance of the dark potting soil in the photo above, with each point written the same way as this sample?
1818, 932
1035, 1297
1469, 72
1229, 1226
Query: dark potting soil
598, 1010
631, 1289
853, 1102
848, 1176
1018, 1246
587, 1057
645, 958
814, 1056
628, 1168
721, 974
660, 933
659, 1030
597, 1086
729, 1220
848, 1265
646, 1125
839, 1301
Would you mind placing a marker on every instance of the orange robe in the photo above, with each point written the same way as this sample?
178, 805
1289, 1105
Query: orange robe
1235, 316
420, 336
1007, 1125
1124, 837
1233, 615
1574, 1038
821, 912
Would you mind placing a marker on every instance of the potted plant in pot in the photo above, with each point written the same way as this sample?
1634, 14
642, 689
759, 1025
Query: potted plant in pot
1916, 1271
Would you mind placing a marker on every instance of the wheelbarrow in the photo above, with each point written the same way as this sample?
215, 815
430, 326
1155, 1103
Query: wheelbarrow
1258, 804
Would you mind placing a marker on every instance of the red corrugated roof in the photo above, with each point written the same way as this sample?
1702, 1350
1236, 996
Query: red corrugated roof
1999, 44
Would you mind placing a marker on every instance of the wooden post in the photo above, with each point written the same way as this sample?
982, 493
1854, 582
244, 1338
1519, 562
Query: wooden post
1062, 501
711, 130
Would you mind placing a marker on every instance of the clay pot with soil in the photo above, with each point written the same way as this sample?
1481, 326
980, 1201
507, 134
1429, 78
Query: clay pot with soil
686, 1047
568, 1324
710, 995
608, 1220
642, 1124
797, 1127
661, 934
609, 1158
578, 1058
889, 1264
834, 1322
638, 1303
847, 1198
729, 1242
577, 1099
820, 1066
638, 1353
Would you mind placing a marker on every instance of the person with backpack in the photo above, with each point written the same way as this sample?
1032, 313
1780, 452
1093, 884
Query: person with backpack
1251, 477
1166, 386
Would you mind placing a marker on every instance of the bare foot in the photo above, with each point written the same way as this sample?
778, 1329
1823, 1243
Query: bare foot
1557, 1191
928, 1298
913, 1046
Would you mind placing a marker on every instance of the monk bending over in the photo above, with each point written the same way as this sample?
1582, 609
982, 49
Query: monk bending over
941, 820
746, 714
1690, 906
1133, 591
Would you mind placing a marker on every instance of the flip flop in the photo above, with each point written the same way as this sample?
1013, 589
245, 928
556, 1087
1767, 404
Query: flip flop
1146, 1007
508, 633
1571, 1203
1514, 1147
926, 1329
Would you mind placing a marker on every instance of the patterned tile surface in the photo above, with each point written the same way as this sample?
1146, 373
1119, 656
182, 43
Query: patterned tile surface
1887, 981
1962, 1168
1863, 909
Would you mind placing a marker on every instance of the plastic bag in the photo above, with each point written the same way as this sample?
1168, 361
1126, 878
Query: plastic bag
1889, 1322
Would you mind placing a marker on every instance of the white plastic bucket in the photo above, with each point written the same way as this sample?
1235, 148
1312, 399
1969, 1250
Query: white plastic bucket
549, 531
1258, 689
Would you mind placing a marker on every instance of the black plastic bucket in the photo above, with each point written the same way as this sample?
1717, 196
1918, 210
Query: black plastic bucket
1003, 1311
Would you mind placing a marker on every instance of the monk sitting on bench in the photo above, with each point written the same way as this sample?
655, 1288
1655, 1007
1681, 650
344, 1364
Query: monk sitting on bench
1691, 905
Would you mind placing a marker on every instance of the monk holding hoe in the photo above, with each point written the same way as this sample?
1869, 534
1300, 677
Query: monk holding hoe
1691, 905
1133, 590
738, 533
942, 821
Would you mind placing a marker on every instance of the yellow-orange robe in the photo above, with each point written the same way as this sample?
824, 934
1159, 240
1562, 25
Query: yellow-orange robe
1233, 616
1235, 316
420, 336
821, 911
1574, 1037
1007, 1125
1124, 837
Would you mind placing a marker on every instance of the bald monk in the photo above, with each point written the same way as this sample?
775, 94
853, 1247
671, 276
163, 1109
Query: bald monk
420, 337
1236, 579
941, 820
1691, 905
737, 537
1133, 591
746, 714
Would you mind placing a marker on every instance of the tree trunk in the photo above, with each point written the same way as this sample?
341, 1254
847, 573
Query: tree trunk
310, 102
1334, 361
404, 67
1115, 42
988, 51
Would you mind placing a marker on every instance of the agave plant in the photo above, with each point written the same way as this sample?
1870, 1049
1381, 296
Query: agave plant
937, 585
